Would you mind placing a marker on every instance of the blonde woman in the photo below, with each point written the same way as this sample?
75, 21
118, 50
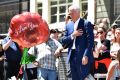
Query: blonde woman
116, 44
114, 68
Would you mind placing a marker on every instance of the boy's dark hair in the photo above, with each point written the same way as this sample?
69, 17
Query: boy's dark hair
53, 31
114, 25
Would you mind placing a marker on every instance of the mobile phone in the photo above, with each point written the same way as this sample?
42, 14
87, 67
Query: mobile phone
69, 17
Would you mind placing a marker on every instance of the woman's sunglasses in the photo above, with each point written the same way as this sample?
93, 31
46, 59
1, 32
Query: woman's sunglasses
101, 32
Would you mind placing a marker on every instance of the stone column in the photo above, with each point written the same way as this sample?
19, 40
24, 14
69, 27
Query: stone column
45, 10
76, 2
33, 6
91, 11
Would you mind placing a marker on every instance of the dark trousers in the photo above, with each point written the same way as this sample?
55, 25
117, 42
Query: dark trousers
11, 69
1, 70
31, 73
78, 71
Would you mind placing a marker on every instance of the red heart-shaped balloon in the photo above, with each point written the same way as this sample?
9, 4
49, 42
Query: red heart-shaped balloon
28, 29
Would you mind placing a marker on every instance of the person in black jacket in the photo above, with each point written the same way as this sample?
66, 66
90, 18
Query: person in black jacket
1, 62
13, 54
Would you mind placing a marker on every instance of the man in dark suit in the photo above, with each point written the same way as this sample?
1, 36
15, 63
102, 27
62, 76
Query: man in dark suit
79, 39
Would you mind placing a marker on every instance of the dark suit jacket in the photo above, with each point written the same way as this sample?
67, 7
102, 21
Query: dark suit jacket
84, 44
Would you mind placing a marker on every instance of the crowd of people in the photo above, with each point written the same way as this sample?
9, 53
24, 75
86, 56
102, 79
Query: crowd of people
91, 49
107, 45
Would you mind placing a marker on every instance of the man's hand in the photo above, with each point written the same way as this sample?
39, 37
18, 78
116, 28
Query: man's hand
57, 53
78, 32
67, 19
84, 60
36, 63
2, 58
6, 46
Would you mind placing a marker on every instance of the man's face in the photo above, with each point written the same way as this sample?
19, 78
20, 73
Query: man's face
72, 14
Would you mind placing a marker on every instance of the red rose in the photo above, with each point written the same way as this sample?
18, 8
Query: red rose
28, 29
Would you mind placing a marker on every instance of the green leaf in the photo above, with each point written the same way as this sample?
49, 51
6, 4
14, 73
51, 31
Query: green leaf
26, 59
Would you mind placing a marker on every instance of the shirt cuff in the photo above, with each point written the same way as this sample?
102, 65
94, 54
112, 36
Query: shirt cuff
72, 37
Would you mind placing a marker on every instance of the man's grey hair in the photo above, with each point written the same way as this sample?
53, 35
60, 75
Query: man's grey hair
74, 7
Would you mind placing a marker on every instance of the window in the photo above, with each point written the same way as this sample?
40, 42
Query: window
6, 13
116, 7
61, 18
53, 19
53, 2
25, 6
84, 8
58, 10
101, 11
83, 0
62, 1
70, 1
39, 5
54, 10
62, 9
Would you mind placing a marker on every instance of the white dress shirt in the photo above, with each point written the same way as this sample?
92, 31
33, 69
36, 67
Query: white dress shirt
75, 28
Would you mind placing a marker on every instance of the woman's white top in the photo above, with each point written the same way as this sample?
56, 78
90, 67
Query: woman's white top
116, 72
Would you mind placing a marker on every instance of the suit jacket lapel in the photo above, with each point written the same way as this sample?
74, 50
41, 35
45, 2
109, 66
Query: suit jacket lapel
80, 24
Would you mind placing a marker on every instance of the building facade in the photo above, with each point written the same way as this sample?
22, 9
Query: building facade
54, 11
8, 9
108, 9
